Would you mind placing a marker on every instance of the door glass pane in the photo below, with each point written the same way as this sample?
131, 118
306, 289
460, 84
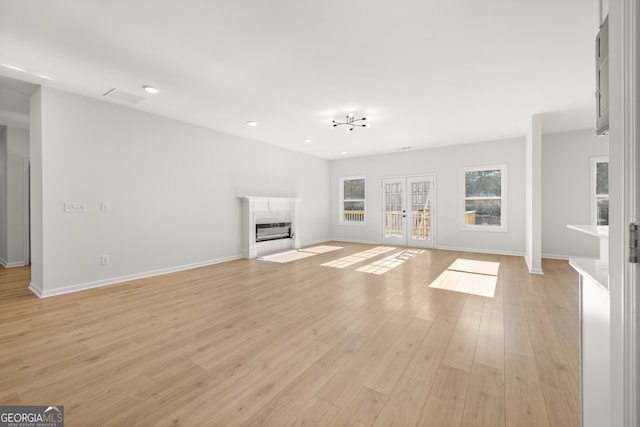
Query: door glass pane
602, 212
602, 193
421, 210
393, 210
602, 178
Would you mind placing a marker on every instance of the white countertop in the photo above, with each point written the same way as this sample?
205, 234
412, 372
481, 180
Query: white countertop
595, 268
592, 230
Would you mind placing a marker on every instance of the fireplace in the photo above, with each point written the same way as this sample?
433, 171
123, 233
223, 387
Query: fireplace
273, 231
270, 224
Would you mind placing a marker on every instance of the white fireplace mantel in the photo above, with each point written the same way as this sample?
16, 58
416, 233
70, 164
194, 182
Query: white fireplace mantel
260, 209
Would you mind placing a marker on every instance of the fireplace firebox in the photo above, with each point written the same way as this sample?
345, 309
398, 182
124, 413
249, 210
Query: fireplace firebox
273, 231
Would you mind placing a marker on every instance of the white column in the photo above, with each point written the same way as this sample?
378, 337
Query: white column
533, 196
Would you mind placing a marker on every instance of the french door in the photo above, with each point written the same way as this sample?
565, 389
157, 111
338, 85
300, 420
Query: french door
407, 211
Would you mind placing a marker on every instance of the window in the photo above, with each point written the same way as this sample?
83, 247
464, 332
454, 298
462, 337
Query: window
600, 190
484, 190
352, 200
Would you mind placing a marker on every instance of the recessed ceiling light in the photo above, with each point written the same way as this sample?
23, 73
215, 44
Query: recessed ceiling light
307, 140
251, 123
150, 89
13, 67
344, 152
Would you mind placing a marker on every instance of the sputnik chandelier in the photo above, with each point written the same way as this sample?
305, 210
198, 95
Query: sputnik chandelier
351, 122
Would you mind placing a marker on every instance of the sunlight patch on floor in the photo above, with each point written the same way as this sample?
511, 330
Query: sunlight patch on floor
475, 266
321, 249
359, 257
294, 255
470, 277
390, 262
284, 257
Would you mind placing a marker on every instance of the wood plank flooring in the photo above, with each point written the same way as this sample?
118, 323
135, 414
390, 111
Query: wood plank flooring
257, 343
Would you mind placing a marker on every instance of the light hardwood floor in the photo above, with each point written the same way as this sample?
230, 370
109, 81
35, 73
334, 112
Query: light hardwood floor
251, 342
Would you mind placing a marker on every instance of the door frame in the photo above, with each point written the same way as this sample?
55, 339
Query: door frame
624, 160
433, 222
27, 212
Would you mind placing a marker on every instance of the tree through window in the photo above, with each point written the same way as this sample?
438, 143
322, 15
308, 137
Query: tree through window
600, 190
484, 191
352, 196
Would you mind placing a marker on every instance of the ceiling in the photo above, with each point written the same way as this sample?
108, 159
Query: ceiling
425, 73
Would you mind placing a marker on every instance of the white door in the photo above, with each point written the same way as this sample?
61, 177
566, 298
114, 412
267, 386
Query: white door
407, 211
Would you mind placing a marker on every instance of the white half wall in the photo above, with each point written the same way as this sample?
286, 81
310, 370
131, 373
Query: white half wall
445, 163
171, 188
566, 191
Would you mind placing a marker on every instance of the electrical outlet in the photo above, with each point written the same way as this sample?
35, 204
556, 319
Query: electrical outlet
104, 260
105, 206
75, 207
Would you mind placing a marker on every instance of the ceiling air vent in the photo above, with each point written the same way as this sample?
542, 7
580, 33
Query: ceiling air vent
121, 95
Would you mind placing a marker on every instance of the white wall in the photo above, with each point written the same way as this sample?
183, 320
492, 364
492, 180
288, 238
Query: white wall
14, 150
172, 190
444, 162
566, 191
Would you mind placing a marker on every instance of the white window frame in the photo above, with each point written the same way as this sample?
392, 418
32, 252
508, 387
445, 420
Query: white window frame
504, 202
593, 197
341, 201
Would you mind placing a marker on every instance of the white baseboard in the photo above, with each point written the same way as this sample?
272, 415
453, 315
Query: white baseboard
314, 242
366, 242
553, 256
6, 264
536, 271
479, 251
36, 289
444, 248
533, 270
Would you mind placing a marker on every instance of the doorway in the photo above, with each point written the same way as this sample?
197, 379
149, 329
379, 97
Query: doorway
407, 211
27, 212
